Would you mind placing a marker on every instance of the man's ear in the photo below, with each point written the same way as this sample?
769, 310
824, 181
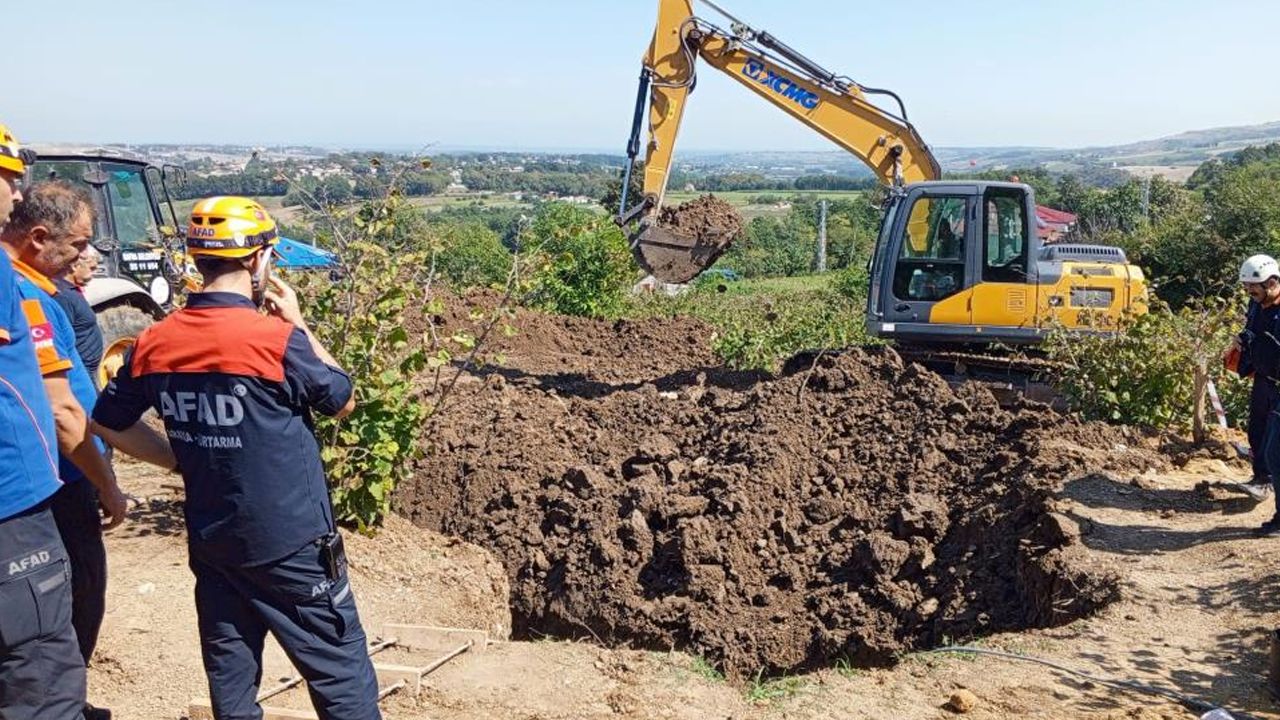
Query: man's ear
38, 236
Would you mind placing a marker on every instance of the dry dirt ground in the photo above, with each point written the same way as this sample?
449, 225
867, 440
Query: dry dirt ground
1197, 594
1198, 600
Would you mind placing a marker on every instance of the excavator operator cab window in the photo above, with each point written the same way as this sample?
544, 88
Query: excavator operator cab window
931, 259
1005, 233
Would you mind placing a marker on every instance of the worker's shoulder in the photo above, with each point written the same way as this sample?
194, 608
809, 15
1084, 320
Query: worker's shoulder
223, 320
229, 331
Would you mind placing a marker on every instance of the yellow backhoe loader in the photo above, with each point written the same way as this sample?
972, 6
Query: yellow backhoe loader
955, 261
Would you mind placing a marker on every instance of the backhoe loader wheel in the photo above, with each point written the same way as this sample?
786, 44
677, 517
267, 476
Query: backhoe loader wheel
120, 327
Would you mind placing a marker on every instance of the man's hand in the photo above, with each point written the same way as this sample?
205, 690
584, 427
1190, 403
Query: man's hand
282, 302
114, 504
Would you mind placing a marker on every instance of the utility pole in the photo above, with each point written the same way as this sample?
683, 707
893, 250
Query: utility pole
822, 237
1146, 198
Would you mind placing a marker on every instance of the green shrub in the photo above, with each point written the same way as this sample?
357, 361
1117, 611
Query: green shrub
758, 324
581, 264
472, 255
361, 320
369, 319
773, 247
851, 282
1146, 374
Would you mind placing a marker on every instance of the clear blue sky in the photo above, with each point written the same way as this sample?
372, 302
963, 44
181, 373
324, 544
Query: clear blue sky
561, 73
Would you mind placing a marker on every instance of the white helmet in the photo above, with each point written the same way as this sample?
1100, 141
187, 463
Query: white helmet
1258, 268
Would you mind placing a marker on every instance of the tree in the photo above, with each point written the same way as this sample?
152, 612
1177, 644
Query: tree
582, 263
1244, 204
472, 255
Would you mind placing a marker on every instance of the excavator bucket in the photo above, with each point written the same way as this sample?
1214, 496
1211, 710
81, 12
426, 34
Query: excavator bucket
685, 240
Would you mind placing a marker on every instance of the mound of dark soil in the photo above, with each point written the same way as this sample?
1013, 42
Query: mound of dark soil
561, 350
854, 508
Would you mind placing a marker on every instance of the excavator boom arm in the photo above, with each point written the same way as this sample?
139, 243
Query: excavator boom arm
836, 108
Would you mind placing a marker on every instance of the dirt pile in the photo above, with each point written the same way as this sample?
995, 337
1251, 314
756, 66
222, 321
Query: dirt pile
688, 238
854, 508
566, 351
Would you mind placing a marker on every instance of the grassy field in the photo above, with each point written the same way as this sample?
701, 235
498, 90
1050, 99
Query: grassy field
758, 323
742, 199
779, 286
436, 202
270, 202
431, 203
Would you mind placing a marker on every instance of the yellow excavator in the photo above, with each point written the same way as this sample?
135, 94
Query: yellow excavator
955, 261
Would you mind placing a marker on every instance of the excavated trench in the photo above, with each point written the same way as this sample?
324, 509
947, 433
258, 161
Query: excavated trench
855, 508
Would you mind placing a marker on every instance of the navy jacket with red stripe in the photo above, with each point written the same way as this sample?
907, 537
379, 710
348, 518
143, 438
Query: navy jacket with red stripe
235, 390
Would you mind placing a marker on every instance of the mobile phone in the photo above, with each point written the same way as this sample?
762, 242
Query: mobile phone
332, 554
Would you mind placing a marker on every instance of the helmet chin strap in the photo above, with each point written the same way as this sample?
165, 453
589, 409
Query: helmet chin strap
260, 272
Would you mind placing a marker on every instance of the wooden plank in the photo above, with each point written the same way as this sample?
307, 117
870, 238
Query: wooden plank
436, 639
389, 674
202, 710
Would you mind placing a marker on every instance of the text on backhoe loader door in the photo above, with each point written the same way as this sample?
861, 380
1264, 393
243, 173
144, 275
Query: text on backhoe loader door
780, 84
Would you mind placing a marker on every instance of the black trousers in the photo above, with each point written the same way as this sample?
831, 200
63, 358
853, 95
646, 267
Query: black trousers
312, 616
42, 675
1262, 400
75, 509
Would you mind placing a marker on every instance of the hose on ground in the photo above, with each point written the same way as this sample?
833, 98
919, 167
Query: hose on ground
1185, 701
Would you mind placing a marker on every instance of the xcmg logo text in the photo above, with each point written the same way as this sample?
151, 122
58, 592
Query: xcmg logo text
781, 84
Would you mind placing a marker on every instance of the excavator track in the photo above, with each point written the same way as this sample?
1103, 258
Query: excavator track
1009, 375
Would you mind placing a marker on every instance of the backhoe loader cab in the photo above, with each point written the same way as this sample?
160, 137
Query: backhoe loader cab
962, 262
136, 232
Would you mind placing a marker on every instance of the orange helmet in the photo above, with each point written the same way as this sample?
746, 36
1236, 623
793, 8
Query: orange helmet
12, 157
229, 227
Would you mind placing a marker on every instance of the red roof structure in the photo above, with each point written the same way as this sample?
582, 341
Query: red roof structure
1053, 224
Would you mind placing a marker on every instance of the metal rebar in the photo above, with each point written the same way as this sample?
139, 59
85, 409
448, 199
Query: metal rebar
382, 645
286, 685
441, 661
390, 689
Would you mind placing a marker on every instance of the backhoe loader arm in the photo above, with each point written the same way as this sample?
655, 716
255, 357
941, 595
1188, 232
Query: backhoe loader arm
834, 106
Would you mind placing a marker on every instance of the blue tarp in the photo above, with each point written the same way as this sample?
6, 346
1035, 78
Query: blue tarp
297, 254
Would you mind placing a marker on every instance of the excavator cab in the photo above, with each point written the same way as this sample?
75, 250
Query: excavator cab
941, 241
963, 262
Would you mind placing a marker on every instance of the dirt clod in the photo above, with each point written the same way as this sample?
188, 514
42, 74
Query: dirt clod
962, 701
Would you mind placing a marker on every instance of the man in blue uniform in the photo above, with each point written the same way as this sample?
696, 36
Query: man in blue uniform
1260, 275
45, 235
1259, 349
42, 675
236, 390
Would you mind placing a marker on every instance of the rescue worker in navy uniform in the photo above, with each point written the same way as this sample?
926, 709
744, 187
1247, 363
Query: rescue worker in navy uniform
42, 675
236, 390
1259, 347
1260, 275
